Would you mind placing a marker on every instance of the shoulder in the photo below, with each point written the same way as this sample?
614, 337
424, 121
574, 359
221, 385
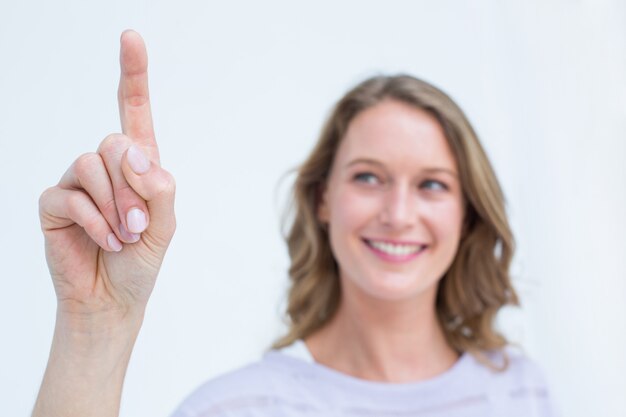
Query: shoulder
519, 370
520, 385
257, 386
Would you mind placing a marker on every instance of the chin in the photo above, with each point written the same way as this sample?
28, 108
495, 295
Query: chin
396, 288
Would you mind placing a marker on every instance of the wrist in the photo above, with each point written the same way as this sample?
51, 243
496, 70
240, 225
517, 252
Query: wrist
86, 334
75, 318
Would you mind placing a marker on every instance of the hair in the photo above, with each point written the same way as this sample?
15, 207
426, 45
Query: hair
477, 283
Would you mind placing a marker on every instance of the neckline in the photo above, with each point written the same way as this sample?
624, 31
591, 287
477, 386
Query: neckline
309, 368
299, 350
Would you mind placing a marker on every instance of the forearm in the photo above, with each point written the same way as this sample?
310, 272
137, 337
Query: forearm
86, 368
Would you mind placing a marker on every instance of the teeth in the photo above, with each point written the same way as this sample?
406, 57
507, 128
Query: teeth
392, 249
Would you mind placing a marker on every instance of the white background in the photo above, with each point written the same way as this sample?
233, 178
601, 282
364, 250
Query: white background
240, 90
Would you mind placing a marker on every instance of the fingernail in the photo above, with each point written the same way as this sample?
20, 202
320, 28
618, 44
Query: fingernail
136, 221
127, 236
137, 160
114, 243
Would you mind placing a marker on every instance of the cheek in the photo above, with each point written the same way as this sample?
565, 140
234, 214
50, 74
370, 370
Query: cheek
446, 219
351, 210
350, 217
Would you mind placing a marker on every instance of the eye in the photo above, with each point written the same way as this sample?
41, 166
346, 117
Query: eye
366, 177
434, 185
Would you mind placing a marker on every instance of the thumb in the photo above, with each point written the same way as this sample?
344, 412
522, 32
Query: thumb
157, 187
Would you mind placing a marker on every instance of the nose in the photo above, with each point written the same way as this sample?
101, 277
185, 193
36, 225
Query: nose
399, 209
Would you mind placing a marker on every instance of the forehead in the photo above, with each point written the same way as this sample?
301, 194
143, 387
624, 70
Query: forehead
396, 134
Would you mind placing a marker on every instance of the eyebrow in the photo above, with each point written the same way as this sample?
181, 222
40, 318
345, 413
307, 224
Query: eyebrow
380, 164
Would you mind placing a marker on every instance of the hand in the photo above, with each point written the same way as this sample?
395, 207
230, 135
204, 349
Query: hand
109, 220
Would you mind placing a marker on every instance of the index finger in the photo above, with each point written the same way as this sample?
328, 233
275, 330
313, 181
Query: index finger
133, 95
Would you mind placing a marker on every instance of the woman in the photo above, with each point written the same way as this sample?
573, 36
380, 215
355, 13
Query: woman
400, 249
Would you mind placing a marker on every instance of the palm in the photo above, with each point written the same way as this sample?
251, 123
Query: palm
83, 272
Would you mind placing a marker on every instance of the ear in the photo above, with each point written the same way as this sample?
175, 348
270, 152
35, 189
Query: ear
323, 212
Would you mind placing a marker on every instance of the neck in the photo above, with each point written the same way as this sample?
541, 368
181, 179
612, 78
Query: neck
380, 340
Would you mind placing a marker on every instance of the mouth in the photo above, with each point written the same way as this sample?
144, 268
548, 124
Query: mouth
395, 251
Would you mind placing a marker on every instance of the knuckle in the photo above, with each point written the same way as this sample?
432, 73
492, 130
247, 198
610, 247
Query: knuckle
173, 225
137, 100
74, 202
44, 202
126, 195
109, 206
168, 185
115, 143
45, 196
86, 163
44, 206
92, 224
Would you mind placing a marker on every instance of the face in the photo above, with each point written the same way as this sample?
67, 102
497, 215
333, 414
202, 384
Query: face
393, 204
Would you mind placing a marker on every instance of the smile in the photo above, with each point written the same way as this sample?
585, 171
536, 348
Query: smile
394, 251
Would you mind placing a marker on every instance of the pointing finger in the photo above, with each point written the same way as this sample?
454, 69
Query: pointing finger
133, 95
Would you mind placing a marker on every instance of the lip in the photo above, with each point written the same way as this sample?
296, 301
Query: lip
395, 258
396, 242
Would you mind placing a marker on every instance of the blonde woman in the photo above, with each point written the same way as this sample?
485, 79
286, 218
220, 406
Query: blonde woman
400, 250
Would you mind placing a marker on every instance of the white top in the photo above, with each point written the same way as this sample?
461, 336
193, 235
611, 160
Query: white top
298, 350
288, 382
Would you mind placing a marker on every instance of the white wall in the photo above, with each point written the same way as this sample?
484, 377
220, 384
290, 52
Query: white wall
239, 92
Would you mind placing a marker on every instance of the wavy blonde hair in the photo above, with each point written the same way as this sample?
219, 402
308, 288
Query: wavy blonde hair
477, 283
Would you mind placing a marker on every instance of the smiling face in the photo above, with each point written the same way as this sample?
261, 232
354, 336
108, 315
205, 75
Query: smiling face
393, 204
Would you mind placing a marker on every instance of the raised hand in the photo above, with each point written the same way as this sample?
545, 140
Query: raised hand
109, 220
107, 225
